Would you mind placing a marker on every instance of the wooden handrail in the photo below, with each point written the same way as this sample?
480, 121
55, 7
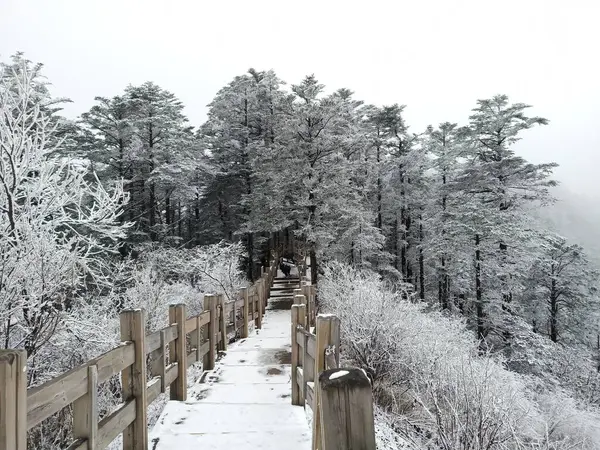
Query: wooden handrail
22, 409
335, 425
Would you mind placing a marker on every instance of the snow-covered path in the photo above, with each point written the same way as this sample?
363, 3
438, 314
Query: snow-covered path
245, 402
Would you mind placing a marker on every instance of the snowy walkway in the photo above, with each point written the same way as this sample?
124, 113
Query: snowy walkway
245, 402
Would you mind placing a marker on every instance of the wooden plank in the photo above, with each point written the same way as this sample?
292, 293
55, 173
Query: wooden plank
13, 397
191, 358
198, 339
308, 368
310, 394
222, 323
114, 424
239, 324
245, 330
204, 348
300, 318
85, 411
171, 373
204, 318
346, 410
210, 304
229, 329
322, 341
163, 360
300, 338
190, 325
260, 304
153, 389
178, 352
295, 389
252, 294
60, 392
311, 346
153, 339
300, 377
239, 303
133, 379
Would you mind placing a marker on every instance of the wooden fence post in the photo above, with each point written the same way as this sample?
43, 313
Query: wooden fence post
267, 289
133, 379
325, 325
258, 296
85, 411
178, 352
197, 338
297, 292
298, 312
13, 399
245, 330
308, 368
210, 304
222, 323
347, 419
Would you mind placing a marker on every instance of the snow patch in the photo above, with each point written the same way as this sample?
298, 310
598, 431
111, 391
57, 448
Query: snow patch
338, 374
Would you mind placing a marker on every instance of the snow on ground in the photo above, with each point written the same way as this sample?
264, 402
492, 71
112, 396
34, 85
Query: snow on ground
245, 402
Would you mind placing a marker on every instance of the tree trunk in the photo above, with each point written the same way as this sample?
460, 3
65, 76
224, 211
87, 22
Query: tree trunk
379, 190
179, 221
250, 250
421, 261
553, 308
478, 291
396, 247
313, 266
168, 212
152, 212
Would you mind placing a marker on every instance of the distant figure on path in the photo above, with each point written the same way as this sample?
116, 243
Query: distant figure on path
285, 269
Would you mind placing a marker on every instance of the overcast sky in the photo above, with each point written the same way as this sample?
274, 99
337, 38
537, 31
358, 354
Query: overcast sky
436, 56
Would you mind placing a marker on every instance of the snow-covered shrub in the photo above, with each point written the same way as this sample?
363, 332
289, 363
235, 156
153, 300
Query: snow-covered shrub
429, 368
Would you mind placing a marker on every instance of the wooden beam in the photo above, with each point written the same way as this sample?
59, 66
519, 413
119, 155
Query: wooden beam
178, 352
198, 339
346, 410
245, 330
297, 313
210, 334
85, 412
13, 399
133, 379
324, 325
258, 296
163, 361
222, 323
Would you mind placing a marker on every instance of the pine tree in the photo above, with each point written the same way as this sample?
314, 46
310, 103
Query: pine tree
563, 290
500, 183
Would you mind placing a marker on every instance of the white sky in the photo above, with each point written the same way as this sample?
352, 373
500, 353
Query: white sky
436, 56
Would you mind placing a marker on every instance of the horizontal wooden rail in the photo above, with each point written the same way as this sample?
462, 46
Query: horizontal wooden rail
148, 365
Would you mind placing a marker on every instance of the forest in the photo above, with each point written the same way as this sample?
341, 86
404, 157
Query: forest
476, 320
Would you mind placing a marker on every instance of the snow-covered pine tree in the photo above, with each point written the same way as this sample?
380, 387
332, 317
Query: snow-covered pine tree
495, 185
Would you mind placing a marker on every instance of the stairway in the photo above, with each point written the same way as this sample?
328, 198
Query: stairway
282, 291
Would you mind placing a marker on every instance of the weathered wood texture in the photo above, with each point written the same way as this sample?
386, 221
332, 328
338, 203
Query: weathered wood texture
133, 379
13, 397
346, 410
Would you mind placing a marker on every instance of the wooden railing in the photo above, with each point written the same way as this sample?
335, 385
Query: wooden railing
341, 398
147, 364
